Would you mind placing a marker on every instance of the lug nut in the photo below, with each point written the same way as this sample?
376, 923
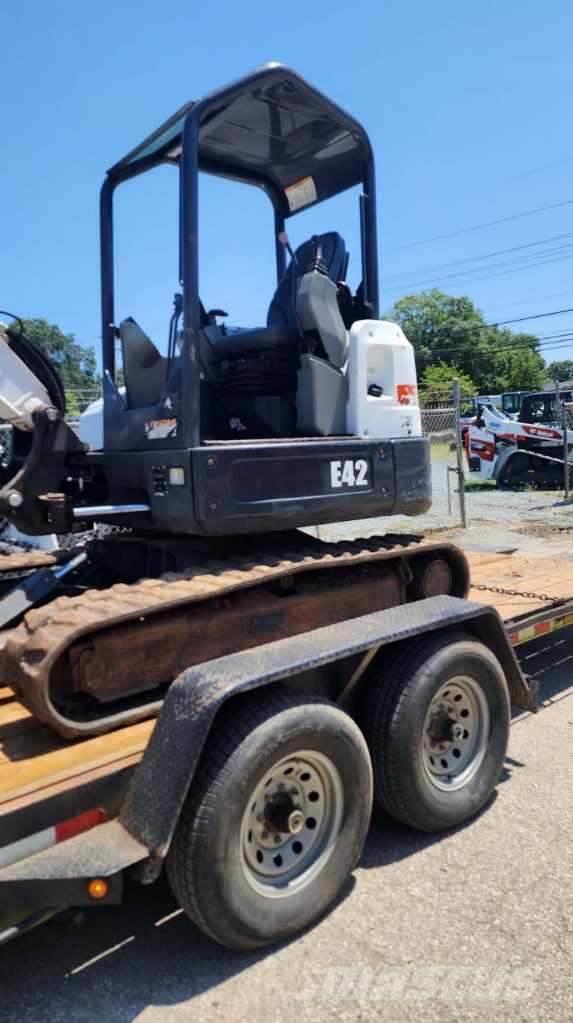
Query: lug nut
295, 822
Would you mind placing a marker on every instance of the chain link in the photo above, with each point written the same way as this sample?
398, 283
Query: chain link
518, 593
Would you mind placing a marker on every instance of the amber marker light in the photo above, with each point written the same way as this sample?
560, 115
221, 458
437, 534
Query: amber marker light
98, 888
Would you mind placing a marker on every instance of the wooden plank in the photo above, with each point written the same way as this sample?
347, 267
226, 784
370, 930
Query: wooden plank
477, 560
10, 713
524, 567
24, 800
525, 574
22, 773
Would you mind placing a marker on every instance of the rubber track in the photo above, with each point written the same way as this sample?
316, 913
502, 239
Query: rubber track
30, 651
26, 560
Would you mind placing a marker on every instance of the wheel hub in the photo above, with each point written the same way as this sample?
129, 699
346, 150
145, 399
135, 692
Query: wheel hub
455, 733
291, 822
283, 814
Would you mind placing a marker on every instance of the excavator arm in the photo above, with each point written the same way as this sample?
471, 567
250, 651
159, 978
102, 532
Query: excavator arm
32, 401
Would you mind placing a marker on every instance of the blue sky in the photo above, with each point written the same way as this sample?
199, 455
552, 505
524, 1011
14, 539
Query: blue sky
468, 106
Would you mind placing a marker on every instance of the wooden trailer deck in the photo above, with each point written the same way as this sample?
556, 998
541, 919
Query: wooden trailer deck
36, 765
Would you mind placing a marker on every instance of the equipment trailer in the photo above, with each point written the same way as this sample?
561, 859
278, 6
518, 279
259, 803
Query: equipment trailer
75, 818
293, 681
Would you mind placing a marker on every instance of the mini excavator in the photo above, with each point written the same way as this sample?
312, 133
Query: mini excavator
178, 502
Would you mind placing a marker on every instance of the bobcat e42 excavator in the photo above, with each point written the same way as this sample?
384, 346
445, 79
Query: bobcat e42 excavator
213, 453
293, 680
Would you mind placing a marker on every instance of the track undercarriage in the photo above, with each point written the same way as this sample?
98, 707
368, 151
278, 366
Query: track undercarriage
100, 653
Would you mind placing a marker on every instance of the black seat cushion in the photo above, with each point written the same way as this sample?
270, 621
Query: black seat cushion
234, 344
331, 249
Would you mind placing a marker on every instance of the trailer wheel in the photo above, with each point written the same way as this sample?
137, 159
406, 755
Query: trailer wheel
275, 820
437, 724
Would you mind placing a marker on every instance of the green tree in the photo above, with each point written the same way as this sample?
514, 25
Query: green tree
450, 330
440, 377
516, 364
75, 364
72, 404
562, 370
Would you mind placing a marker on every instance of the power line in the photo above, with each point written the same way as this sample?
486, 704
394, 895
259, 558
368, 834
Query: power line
513, 343
538, 298
489, 223
468, 354
543, 342
545, 166
505, 323
486, 255
524, 262
530, 266
535, 316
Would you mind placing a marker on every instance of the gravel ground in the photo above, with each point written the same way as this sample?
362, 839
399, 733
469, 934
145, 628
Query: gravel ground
475, 925
524, 511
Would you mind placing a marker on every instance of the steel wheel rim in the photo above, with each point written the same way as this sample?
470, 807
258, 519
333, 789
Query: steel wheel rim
291, 823
455, 734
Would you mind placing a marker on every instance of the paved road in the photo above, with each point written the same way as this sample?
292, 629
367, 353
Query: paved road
473, 926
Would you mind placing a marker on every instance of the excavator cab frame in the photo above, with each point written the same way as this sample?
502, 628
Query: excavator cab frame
269, 129
161, 463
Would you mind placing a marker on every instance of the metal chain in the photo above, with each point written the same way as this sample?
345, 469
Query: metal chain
518, 593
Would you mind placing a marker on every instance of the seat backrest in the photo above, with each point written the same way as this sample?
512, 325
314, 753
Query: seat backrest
331, 250
319, 315
144, 368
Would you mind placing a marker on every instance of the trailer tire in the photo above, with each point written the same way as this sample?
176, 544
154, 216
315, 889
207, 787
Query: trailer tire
246, 878
436, 719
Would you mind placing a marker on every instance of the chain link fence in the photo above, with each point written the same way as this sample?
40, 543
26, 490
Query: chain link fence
441, 423
78, 399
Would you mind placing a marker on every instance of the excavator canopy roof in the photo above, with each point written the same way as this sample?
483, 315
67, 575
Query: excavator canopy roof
270, 128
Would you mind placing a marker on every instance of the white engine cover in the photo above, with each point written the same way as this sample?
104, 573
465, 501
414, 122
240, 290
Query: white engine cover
90, 429
380, 356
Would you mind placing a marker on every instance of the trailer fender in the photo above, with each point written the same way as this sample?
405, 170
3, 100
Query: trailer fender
161, 781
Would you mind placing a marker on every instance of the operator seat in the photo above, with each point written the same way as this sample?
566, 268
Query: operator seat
331, 250
283, 324
322, 385
255, 373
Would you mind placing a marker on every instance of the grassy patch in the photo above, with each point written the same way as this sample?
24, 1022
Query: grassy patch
442, 452
472, 488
